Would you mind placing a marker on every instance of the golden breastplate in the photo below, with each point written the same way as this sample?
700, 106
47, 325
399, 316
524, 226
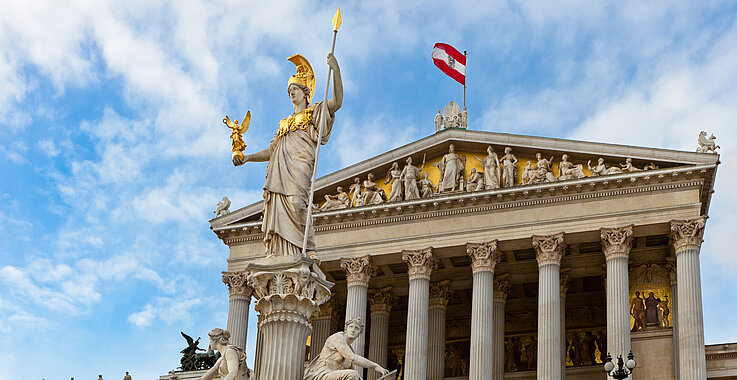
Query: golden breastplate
300, 120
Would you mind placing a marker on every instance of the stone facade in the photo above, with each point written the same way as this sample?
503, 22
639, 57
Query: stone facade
546, 273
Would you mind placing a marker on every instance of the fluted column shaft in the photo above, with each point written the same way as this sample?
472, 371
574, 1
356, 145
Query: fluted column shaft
564, 281
616, 244
320, 333
484, 257
358, 273
687, 237
439, 293
420, 263
240, 300
549, 250
674, 317
380, 303
501, 289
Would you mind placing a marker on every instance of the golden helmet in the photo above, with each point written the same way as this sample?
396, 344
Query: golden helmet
304, 76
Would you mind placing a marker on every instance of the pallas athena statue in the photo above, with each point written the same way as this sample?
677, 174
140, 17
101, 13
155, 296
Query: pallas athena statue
291, 157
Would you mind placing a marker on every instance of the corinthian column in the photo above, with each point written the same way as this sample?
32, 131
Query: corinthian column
565, 278
322, 326
671, 264
484, 257
439, 293
616, 244
380, 303
288, 290
501, 290
550, 250
358, 272
240, 299
687, 236
421, 264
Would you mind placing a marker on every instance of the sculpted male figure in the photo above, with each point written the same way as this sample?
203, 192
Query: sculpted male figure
291, 157
637, 310
336, 360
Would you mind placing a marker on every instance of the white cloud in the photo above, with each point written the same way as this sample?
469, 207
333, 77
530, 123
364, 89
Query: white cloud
167, 310
48, 147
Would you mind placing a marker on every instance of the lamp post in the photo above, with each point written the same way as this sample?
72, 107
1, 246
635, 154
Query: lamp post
623, 370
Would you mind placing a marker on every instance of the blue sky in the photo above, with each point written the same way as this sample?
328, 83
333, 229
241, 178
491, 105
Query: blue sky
114, 156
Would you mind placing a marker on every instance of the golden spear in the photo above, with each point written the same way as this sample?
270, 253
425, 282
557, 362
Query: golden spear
337, 20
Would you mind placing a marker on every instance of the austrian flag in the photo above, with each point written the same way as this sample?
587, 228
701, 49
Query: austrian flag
451, 61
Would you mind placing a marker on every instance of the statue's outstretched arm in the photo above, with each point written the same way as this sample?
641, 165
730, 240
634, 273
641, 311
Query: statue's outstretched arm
261, 156
336, 102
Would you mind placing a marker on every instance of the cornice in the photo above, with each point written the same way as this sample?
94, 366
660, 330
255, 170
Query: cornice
491, 200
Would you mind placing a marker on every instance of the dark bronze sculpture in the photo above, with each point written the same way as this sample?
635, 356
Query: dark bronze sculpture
192, 360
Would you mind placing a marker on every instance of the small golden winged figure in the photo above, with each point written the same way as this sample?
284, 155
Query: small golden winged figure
236, 131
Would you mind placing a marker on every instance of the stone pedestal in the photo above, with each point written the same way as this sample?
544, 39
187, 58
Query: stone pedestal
439, 293
288, 289
616, 244
549, 251
565, 278
421, 264
323, 325
240, 300
687, 236
484, 257
501, 290
380, 303
358, 273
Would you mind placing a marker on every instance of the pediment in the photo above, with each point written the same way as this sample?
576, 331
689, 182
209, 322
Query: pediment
650, 163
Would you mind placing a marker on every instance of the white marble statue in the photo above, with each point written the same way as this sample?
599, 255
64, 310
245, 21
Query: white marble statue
452, 171
475, 181
527, 173
372, 194
395, 177
452, 115
291, 157
464, 118
355, 192
232, 362
542, 171
223, 207
438, 121
707, 144
427, 189
568, 170
628, 167
651, 166
509, 166
409, 175
336, 202
492, 169
601, 169
337, 359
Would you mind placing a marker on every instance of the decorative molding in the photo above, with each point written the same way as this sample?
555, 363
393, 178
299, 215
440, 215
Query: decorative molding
501, 288
647, 276
439, 294
687, 234
565, 279
616, 242
237, 283
381, 300
420, 263
549, 248
484, 256
359, 270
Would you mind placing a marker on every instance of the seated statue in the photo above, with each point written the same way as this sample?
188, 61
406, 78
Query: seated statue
232, 362
336, 360
475, 181
372, 193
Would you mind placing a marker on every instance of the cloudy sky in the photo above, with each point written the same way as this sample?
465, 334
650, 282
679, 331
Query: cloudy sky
114, 156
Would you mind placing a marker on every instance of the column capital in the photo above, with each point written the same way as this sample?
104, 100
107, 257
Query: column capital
381, 300
484, 256
670, 264
330, 310
549, 248
565, 279
439, 294
687, 234
358, 270
501, 288
237, 284
420, 262
616, 242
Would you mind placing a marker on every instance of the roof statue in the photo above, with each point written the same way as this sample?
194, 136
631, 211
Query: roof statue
707, 144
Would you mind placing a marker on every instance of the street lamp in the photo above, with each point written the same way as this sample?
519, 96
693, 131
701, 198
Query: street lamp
624, 369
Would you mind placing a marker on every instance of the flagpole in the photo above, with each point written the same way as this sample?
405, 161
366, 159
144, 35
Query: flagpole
323, 124
465, 54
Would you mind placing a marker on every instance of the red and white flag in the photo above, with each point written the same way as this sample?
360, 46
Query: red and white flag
451, 61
